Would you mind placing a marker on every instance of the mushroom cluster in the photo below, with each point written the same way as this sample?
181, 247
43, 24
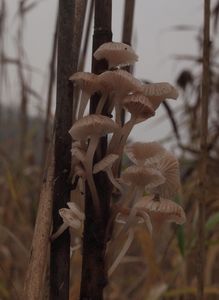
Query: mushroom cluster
147, 187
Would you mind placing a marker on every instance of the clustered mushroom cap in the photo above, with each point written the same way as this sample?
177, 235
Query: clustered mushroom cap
117, 54
158, 92
168, 165
166, 209
120, 81
139, 106
88, 82
139, 152
92, 125
105, 163
142, 176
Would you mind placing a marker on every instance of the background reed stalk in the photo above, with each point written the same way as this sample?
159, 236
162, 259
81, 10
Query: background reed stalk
203, 153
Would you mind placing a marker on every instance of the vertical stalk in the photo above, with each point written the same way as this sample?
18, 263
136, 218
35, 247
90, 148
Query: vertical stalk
60, 248
94, 275
204, 152
52, 76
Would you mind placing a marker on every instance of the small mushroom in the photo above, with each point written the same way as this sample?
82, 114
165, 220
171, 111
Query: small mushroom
142, 177
141, 109
139, 153
158, 92
72, 217
93, 127
117, 54
106, 165
168, 166
161, 210
120, 83
89, 84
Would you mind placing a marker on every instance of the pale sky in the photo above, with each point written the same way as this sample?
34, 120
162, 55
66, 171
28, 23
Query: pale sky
154, 39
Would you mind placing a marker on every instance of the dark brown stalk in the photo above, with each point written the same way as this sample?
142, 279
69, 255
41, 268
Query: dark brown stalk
204, 153
52, 75
60, 248
94, 274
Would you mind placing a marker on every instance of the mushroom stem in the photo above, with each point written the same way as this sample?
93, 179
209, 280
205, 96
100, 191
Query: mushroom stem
101, 103
126, 131
122, 252
83, 103
113, 180
61, 229
118, 109
88, 164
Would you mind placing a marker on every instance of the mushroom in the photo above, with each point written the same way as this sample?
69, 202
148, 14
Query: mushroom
89, 84
117, 54
72, 217
168, 166
93, 127
158, 92
141, 178
120, 83
161, 210
139, 153
106, 165
141, 109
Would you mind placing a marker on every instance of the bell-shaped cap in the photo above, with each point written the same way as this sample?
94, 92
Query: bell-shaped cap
162, 209
120, 82
168, 165
139, 152
117, 54
92, 125
142, 176
88, 82
139, 106
158, 92
105, 163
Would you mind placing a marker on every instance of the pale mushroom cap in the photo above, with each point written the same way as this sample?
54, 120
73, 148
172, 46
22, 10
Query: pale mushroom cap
117, 54
120, 81
139, 106
142, 176
105, 163
76, 210
158, 92
168, 165
165, 208
88, 82
138, 152
92, 125
69, 218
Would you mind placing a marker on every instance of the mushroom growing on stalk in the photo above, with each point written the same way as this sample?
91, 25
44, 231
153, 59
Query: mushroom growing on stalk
141, 109
116, 54
89, 84
72, 217
168, 166
140, 178
92, 127
119, 83
158, 92
106, 165
161, 210
140, 153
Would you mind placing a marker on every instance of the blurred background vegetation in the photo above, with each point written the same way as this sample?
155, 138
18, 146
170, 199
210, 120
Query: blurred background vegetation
160, 268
